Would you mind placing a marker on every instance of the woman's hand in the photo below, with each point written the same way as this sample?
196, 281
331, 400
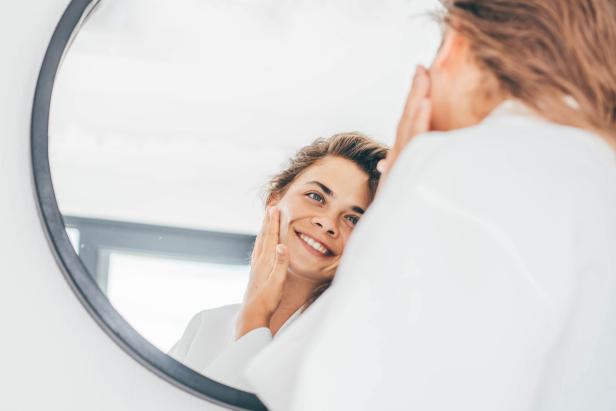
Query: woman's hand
415, 119
268, 272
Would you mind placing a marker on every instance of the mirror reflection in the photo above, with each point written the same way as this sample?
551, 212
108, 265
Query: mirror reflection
175, 125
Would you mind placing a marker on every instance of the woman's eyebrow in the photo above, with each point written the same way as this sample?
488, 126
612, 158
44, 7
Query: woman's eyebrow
325, 189
358, 209
330, 193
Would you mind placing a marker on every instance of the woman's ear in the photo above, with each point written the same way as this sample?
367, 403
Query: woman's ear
453, 53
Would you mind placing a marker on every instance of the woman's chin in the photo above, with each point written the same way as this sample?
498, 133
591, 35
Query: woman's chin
306, 272
306, 263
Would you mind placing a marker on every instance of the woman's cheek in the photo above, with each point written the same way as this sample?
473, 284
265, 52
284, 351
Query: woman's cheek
345, 238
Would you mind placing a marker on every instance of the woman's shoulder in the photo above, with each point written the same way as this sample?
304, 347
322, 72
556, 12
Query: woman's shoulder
206, 335
215, 315
520, 147
512, 171
211, 321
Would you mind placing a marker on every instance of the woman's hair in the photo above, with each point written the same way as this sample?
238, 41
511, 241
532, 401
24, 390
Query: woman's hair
353, 146
556, 56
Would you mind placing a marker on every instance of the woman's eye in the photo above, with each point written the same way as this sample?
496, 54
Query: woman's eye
353, 219
315, 197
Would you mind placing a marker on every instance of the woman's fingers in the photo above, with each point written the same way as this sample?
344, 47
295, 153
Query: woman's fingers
264, 252
261, 303
421, 122
258, 247
420, 90
281, 265
270, 237
277, 277
415, 118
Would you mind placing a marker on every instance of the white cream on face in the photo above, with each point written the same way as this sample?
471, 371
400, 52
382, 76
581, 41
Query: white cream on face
285, 219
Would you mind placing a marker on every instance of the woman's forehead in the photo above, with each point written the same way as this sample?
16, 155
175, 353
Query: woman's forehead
342, 176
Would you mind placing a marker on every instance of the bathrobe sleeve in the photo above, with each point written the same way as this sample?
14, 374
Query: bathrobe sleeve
180, 349
481, 278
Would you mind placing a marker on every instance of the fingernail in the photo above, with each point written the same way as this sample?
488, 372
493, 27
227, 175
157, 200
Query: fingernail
380, 166
280, 249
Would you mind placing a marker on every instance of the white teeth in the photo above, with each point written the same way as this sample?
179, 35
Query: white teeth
314, 244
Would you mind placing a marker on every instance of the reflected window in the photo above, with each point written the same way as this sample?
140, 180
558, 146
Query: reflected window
158, 296
158, 277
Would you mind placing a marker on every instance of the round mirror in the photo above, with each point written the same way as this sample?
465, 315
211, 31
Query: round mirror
158, 125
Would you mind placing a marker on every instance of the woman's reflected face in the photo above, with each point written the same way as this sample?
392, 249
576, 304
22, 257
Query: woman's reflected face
319, 210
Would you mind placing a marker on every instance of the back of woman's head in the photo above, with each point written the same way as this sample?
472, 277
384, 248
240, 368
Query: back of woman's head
556, 56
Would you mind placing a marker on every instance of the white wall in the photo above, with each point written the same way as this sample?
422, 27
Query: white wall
53, 356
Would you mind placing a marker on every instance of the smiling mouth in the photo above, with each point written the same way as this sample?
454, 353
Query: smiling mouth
314, 246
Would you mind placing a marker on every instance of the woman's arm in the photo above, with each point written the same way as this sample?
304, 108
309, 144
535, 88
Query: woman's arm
269, 266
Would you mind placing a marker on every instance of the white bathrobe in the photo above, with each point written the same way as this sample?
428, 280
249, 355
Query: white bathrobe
208, 345
482, 278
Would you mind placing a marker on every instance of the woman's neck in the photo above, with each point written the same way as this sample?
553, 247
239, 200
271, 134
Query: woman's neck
296, 292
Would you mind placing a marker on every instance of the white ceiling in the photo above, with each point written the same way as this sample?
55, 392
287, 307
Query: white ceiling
175, 112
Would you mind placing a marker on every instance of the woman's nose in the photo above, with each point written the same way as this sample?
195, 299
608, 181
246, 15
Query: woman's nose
326, 224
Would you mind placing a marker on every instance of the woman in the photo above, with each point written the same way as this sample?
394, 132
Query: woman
484, 277
312, 208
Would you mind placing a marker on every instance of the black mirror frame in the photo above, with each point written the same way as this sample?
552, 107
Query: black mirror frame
75, 273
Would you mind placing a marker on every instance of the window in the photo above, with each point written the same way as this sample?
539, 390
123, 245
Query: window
158, 277
158, 296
